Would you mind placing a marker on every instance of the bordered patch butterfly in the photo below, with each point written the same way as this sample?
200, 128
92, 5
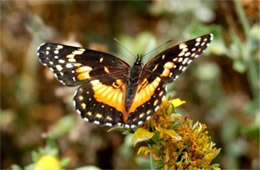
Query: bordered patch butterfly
111, 92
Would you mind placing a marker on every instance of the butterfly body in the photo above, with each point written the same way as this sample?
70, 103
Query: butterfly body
111, 92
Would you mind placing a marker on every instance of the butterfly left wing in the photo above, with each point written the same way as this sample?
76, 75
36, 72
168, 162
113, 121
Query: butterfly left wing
101, 101
73, 66
170, 63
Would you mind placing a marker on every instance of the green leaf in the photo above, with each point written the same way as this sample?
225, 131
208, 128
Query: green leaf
64, 162
141, 161
253, 132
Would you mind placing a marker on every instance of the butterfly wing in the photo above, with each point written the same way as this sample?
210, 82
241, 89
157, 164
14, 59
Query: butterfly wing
74, 65
102, 101
100, 98
170, 63
162, 69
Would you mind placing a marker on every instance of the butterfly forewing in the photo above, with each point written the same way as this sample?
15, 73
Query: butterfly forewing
170, 63
74, 65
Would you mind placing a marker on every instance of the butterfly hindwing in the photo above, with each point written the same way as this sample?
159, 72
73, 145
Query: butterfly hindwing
74, 65
102, 101
170, 63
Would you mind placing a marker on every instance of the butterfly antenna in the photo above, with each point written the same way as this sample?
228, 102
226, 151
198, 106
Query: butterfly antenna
124, 47
158, 47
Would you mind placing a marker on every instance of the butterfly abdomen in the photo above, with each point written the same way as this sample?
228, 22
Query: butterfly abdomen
132, 85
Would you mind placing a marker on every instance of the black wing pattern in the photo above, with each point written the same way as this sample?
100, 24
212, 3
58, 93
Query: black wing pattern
74, 65
170, 63
162, 69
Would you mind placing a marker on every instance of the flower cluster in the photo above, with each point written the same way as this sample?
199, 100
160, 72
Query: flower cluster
176, 142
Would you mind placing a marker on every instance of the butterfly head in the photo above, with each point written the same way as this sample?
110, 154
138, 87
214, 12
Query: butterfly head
138, 60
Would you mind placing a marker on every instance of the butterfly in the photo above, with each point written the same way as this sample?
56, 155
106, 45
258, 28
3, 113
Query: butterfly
110, 91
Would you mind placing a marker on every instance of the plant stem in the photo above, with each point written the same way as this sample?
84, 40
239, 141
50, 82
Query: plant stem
242, 17
151, 162
247, 54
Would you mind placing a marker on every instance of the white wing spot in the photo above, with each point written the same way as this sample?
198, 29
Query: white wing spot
56, 57
163, 98
141, 115
187, 54
69, 65
193, 49
96, 122
197, 44
59, 67
127, 126
185, 61
56, 52
78, 111
211, 37
72, 60
198, 39
180, 59
133, 126
140, 122
101, 59
59, 47
61, 61
148, 117
86, 119
163, 57
108, 124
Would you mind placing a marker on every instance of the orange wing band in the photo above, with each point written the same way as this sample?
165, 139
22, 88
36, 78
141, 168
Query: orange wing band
110, 96
144, 94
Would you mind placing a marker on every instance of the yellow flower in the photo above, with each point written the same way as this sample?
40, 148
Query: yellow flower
47, 162
140, 135
177, 102
176, 142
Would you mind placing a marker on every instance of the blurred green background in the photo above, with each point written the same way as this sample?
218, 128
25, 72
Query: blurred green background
221, 88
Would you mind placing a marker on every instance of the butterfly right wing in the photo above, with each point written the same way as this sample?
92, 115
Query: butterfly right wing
74, 65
